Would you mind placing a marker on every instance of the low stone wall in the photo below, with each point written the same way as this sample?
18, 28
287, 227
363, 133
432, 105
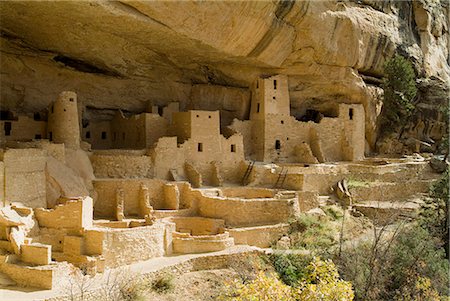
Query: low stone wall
240, 213
261, 236
121, 246
247, 192
52, 276
186, 244
376, 191
198, 225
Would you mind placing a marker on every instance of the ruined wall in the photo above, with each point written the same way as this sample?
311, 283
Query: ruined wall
122, 164
282, 134
105, 205
130, 245
128, 132
73, 214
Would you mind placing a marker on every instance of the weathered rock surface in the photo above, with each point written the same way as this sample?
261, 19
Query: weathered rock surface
122, 54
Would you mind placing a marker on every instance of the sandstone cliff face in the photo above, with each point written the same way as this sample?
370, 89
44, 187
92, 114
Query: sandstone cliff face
123, 54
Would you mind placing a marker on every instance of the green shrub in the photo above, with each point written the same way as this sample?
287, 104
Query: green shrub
313, 233
334, 212
290, 267
434, 213
399, 85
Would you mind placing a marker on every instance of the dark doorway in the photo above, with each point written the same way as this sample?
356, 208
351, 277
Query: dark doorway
8, 128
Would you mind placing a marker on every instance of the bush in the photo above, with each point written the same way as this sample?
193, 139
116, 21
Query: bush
320, 283
163, 284
399, 85
393, 262
313, 233
290, 267
434, 213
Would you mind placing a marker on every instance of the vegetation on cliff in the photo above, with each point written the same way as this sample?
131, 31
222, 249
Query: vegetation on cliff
399, 85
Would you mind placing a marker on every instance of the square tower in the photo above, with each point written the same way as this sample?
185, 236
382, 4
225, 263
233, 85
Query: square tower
270, 96
196, 124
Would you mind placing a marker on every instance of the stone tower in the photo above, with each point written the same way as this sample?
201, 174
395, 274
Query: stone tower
270, 96
63, 124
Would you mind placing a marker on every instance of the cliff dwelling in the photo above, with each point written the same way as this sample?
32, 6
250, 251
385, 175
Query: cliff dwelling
205, 150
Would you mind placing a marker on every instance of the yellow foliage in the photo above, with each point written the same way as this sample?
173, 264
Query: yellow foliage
322, 283
422, 291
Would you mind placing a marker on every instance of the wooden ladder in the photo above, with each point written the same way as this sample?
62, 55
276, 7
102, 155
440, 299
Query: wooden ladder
248, 172
281, 178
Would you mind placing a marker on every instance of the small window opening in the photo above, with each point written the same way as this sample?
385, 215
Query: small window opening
350, 114
37, 116
160, 111
282, 121
38, 136
8, 127
52, 109
198, 116
88, 135
257, 108
233, 148
71, 99
274, 97
209, 116
287, 138
200, 147
50, 136
277, 144
275, 84
103, 135
257, 84
64, 110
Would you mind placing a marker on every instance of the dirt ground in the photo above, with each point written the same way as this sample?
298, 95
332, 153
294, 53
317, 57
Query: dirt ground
199, 285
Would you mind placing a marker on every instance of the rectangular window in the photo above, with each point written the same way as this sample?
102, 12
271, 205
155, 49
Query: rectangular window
233, 148
8, 128
38, 136
103, 135
274, 84
277, 144
350, 114
200, 147
257, 108
88, 135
